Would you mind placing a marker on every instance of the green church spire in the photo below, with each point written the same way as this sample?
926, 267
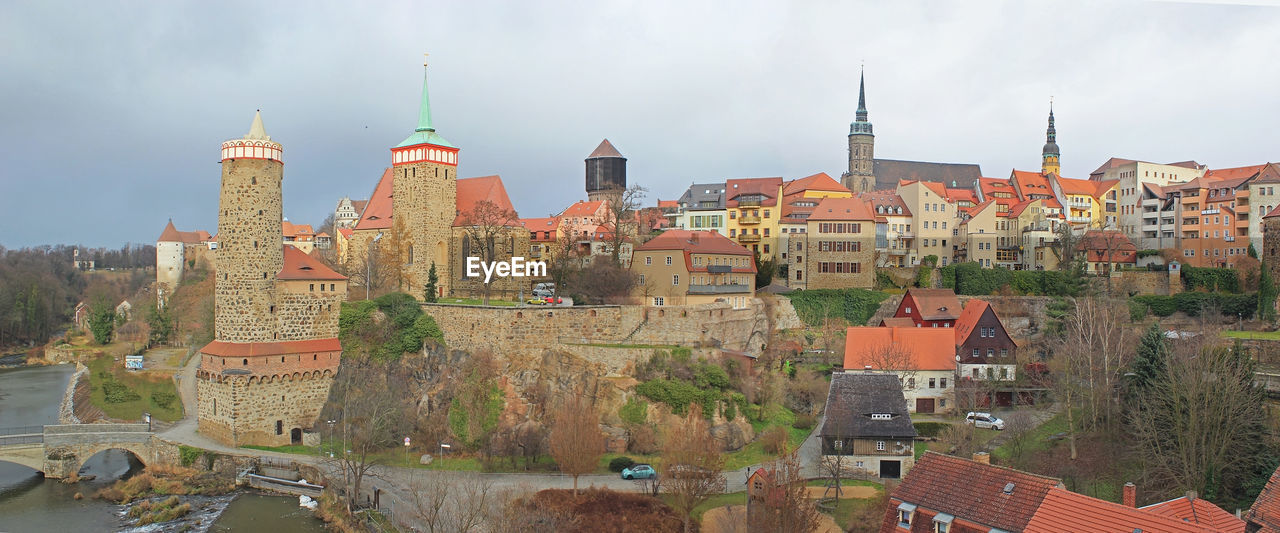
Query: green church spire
424, 112
425, 133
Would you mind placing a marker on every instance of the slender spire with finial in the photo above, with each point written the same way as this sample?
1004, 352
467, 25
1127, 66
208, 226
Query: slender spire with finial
1050, 156
424, 112
862, 95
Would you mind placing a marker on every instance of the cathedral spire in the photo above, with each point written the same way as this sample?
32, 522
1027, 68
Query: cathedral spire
862, 97
424, 112
1051, 154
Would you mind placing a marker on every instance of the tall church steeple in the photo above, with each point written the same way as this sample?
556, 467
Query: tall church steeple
861, 177
1050, 155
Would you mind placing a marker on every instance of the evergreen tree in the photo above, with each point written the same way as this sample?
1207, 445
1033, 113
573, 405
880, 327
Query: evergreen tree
1252, 251
102, 321
1267, 291
429, 290
161, 323
1153, 355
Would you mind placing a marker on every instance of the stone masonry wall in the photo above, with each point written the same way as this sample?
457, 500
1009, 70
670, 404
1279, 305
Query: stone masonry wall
526, 328
243, 410
1144, 282
426, 203
249, 253
303, 314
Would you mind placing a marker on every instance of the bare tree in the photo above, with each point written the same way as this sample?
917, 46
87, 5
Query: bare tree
484, 227
1202, 425
370, 269
454, 502
1017, 429
1095, 333
366, 405
691, 464
895, 358
576, 440
783, 504
620, 220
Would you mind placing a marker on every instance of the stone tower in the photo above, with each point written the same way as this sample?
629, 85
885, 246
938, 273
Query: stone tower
249, 237
606, 173
267, 373
862, 143
425, 180
1049, 156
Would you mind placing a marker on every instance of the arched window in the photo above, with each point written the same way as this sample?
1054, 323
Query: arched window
246, 362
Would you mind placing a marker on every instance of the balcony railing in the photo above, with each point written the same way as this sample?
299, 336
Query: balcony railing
748, 202
1212, 211
718, 289
1079, 220
748, 237
748, 219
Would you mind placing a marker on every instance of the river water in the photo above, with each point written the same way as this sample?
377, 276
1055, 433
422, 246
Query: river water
31, 396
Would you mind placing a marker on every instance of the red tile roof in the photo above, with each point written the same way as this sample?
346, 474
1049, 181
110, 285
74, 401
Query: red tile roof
171, 234
928, 348
962, 195
1030, 183
583, 209
668, 203
888, 199
935, 304
1066, 511
969, 319
249, 349
346, 232
472, 191
377, 213
1198, 511
605, 149
1110, 164
842, 209
698, 242
1098, 245
975, 492
300, 266
768, 187
537, 226
817, 182
1236, 173
1265, 511
301, 232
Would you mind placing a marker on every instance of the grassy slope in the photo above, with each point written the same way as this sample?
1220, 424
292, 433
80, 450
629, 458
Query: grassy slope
144, 383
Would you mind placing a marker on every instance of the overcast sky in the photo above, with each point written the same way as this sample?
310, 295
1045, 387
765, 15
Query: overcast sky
112, 113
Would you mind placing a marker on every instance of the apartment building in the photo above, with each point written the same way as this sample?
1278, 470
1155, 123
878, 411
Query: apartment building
934, 219
977, 237
837, 248
1087, 203
1132, 175
701, 208
754, 207
682, 267
799, 198
895, 237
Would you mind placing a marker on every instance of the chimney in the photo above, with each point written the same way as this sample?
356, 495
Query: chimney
1130, 495
982, 457
1191, 495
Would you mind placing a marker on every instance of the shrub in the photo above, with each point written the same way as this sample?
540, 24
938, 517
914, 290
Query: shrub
1137, 310
679, 394
1210, 279
774, 440
116, 392
163, 399
853, 305
804, 421
644, 440
189, 454
635, 411
930, 429
620, 462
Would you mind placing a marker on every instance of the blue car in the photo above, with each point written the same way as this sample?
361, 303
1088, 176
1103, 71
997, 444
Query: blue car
639, 472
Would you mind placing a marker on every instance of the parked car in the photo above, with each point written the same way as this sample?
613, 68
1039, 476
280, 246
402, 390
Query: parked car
553, 300
536, 301
545, 289
984, 420
640, 471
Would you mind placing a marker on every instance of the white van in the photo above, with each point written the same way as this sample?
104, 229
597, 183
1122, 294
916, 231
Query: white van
984, 420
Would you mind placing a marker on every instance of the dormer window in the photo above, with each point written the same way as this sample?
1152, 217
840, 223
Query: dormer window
881, 416
942, 523
905, 512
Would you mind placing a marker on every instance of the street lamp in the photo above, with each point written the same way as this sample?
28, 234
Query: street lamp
442, 447
368, 264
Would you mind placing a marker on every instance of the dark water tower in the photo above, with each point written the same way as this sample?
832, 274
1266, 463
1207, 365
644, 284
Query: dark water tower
606, 172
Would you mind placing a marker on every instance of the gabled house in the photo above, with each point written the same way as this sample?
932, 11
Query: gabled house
921, 358
930, 308
984, 349
1106, 251
1192, 509
950, 494
867, 427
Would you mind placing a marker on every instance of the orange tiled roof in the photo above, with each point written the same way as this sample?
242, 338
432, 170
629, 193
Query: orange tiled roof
962, 195
767, 187
301, 232
1198, 511
841, 209
936, 304
668, 203
346, 232
698, 242
969, 319
929, 348
1063, 510
377, 212
888, 199
171, 234
472, 191
583, 209
250, 349
300, 266
975, 492
817, 182
538, 226
1236, 173
1265, 511
897, 322
1097, 243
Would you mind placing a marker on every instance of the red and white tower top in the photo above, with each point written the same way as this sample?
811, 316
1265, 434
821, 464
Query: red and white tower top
425, 145
255, 145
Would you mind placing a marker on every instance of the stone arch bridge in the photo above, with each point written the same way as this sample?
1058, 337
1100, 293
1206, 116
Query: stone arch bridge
59, 451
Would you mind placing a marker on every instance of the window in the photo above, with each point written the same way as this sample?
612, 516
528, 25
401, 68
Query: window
1004, 352
880, 445
642, 280
675, 279
933, 383
943, 382
668, 260
648, 260
658, 301
911, 383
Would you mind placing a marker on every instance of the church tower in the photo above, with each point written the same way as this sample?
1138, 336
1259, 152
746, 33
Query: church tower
249, 253
425, 183
1049, 156
861, 177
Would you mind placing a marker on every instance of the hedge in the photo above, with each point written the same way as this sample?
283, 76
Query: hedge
680, 394
853, 305
1210, 279
972, 279
1191, 303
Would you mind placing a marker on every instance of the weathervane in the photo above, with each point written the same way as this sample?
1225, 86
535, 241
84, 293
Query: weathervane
424, 59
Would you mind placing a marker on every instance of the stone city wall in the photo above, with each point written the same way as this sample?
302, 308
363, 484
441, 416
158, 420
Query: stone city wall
302, 314
524, 328
240, 410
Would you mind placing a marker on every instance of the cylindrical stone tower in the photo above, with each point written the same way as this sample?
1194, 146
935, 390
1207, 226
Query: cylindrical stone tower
606, 172
249, 253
